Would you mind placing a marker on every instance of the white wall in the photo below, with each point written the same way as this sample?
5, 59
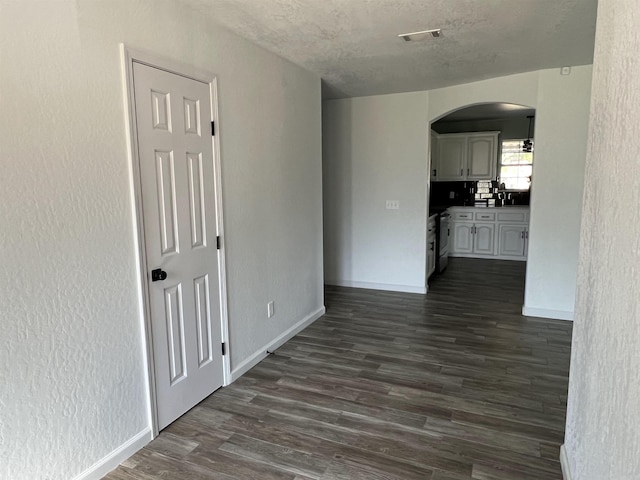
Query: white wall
562, 118
602, 440
375, 149
355, 145
71, 352
562, 110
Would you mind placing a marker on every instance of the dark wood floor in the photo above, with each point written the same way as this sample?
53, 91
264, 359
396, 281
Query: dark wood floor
456, 385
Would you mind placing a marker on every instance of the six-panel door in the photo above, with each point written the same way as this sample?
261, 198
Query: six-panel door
180, 228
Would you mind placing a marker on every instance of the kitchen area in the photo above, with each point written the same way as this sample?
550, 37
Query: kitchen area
480, 185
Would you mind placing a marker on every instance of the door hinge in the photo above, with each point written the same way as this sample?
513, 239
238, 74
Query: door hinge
218, 242
224, 349
213, 128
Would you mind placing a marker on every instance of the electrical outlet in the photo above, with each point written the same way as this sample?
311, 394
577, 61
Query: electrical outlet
270, 309
452, 194
393, 204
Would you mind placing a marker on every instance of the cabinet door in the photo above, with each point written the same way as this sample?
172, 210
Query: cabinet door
484, 238
482, 157
434, 155
511, 240
452, 158
462, 238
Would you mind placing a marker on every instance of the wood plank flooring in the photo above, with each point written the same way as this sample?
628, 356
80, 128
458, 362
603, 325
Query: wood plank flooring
456, 385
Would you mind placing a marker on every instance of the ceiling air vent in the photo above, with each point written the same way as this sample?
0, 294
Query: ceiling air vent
423, 35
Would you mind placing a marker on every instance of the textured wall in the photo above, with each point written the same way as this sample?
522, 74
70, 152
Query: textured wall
375, 149
71, 353
603, 420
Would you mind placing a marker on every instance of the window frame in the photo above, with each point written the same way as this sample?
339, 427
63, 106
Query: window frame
500, 164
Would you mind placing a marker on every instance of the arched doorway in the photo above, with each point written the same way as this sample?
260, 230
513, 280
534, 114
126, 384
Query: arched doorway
481, 156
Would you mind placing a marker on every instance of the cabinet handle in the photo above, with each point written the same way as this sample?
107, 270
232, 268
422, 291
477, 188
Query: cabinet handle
522, 234
468, 172
526, 234
461, 172
434, 172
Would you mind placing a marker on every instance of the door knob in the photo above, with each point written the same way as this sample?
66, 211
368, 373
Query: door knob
158, 274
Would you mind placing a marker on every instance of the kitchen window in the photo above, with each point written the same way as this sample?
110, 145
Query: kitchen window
516, 166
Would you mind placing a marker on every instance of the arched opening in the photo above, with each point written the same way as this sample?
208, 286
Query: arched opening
481, 157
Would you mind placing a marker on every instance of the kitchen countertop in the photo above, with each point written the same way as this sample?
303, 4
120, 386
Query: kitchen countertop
491, 208
441, 208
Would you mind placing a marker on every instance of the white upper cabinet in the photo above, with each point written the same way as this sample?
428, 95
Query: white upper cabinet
465, 156
483, 157
452, 158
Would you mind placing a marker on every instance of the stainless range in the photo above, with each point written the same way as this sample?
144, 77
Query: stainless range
442, 238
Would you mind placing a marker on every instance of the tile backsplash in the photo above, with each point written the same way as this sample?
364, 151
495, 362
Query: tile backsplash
451, 193
476, 193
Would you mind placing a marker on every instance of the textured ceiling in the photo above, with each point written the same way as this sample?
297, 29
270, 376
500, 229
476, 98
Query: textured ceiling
353, 44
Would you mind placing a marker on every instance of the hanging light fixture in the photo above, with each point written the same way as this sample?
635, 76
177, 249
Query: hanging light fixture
527, 145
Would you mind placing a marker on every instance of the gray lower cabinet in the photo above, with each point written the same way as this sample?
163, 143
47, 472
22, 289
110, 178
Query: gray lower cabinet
513, 240
473, 238
500, 233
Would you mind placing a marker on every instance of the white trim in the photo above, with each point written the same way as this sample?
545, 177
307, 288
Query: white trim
115, 458
564, 463
152, 59
261, 353
128, 57
547, 313
488, 257
140, 256
378, 286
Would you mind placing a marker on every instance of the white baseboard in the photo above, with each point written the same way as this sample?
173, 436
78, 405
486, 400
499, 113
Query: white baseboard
564, 463
115, 458
546, 313
261, 353
488, 257
378, 286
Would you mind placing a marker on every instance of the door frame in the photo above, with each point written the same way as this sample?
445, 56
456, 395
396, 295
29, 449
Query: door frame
129, 56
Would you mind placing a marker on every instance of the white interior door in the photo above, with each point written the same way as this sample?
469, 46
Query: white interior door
180, 228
